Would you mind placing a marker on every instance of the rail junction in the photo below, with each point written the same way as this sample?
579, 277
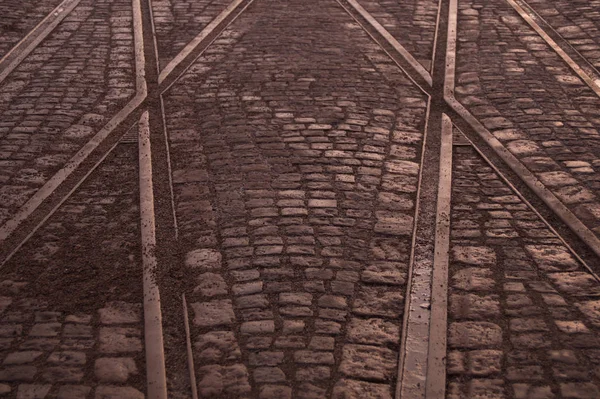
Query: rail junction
300, 199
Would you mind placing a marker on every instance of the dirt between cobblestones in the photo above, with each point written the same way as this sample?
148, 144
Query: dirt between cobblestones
61, 94
294, 192
531, 101
89, 249
177, 22
411, 22
578, 21
523, 312
19, 17
71, 318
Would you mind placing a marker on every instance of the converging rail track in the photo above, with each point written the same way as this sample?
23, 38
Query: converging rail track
257, 283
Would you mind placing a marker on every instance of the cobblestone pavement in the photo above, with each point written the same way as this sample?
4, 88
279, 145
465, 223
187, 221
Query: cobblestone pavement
298, 154
411, 22
295, 191
576, 21
61, 94
80, 335
532, 102
20, 17
523, 313
177, 22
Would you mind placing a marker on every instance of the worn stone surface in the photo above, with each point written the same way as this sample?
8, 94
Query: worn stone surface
529, 98
19, 17
62, 93
411, 22
114, 370
70, 307
295, 144
304, 181
523, 324
577, 21
177, 22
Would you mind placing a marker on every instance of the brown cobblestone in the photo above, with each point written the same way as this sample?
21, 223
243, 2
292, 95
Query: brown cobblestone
291, 158
537, 295
19, 18
528, 97
61, 94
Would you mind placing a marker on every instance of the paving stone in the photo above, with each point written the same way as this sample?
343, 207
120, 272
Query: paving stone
266, 358
526, 391
52, 130
29, 391
213, 313
121, 313
248, 288
591, 310
73, 392
114, 370
486, 388
44, 317
352, 389
528, 309
257, 327
67, 358
471, 306
322, 343
62, 374
78, 131
313, 373
294, 205
205, 259
21, 357
364, 361
275, 392
483, 363
552, 258
217, 346
579, 390
40, 344
373, 332
575, 283
211, 284
268, 375
378, 301
473, 279
119, 339
474, 334
45, 330
113, 392
313, 357
528, 324
78, 319
216, 381
474, 255
17, 373
11, 330
310, 391
385, 273
77, 331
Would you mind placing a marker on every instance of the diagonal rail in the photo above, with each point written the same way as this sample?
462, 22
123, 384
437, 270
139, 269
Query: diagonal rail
21, 50
130, 112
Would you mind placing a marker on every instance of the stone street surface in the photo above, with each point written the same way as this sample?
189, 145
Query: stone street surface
304, 199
